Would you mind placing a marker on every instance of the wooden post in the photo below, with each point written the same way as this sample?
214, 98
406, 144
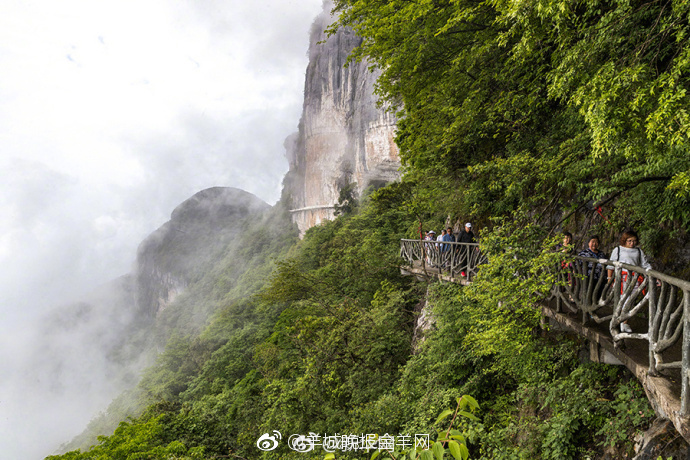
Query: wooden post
685, 363
651, 330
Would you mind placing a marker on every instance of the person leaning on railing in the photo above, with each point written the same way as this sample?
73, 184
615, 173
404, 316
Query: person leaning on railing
567, 248
629, 253
592, 251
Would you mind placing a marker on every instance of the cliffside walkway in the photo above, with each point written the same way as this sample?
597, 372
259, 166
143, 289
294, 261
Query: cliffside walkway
656, 307
455, 262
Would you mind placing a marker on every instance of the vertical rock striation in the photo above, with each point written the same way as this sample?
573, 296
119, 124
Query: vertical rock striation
344, 137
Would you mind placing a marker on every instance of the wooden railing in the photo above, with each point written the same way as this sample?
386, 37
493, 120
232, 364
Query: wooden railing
655, 306
452, 259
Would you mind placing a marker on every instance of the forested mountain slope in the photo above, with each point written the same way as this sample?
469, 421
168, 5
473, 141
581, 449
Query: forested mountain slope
120, 329
324, 346
527, 119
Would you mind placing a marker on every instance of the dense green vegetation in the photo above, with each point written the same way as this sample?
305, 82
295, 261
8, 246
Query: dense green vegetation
325, 346
527, 118
551, 107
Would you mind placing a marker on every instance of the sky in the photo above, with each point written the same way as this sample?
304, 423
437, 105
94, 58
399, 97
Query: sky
111, 114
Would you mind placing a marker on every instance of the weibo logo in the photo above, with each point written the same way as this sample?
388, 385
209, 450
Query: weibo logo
268, 441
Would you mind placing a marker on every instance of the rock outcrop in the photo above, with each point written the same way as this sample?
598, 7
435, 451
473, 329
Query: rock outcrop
169, 259
661, 440
344, 138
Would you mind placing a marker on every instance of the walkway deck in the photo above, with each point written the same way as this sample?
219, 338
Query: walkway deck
663, 391
428, 272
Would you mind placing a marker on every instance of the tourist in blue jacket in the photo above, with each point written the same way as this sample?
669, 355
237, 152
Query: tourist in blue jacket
592, 251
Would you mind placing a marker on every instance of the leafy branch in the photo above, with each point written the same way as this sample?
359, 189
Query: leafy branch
449, 442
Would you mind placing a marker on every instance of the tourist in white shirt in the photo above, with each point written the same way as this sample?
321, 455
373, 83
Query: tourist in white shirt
629, 253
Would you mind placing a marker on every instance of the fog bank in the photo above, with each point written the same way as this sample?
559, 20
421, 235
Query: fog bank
113, 113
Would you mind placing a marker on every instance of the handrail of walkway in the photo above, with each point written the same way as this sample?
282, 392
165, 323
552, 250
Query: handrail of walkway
444, 257
656, 307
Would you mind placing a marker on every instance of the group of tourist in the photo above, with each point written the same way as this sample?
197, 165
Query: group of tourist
447, 235
627, 251
465, 236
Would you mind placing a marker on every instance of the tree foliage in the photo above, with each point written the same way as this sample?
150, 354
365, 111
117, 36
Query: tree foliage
550, 106
326, 346
523, 116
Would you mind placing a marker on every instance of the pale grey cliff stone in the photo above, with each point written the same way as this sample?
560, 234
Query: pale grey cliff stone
423, 323
343, 137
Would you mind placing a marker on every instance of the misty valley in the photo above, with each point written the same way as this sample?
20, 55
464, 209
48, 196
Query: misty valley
288, 331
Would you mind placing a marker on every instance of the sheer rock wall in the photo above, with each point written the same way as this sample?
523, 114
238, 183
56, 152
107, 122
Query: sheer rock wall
343, 137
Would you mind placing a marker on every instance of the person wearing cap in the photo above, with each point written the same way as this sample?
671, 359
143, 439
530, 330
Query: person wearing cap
465, 236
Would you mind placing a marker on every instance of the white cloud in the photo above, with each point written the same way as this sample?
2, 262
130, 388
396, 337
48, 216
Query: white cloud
111, 114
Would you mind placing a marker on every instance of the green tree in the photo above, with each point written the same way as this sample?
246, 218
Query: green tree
552, 106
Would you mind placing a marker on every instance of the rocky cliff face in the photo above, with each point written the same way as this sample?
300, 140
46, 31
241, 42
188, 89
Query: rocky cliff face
343, 138
172, 256
82, 355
